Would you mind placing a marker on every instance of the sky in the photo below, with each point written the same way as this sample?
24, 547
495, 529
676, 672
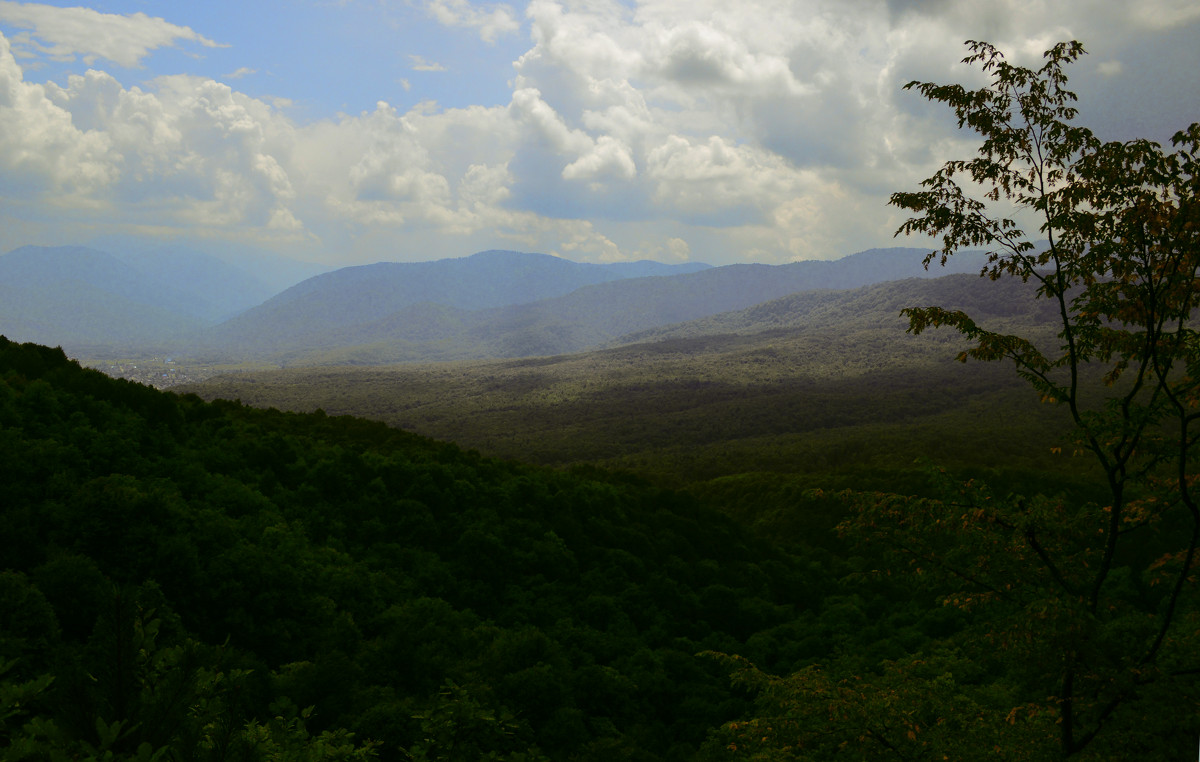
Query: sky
355, 131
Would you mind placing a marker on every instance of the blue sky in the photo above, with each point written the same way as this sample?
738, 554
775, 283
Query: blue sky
325, 57
367, 130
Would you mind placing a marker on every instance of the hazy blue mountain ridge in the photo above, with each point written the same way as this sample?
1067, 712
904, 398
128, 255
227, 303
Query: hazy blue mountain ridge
260, 266
999, 305
216, 289
66, 267
493, 304
315, 309
136, 300
343, 315
79, 296
145, 296
87, 317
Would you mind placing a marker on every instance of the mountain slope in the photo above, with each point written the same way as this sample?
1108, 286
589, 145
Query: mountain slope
364, 295
76, 296
274, 271
1001, 305
80, 297
599, 315
344, 316
215, 289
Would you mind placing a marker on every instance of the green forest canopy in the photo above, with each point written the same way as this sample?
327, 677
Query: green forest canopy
192, 576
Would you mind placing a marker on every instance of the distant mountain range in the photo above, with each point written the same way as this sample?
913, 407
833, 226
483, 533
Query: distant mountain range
273, 271
491, 304
79, 296
423, 312
1007, 304
414, 301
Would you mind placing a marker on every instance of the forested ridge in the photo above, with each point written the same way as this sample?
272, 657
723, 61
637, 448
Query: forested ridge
212, 581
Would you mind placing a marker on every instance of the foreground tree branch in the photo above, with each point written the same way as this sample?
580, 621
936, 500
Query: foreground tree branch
1120, 264
1089, 632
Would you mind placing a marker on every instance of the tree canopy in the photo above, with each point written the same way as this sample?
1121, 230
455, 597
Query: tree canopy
208, 581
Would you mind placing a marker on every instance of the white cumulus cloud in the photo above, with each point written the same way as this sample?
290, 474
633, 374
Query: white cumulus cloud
65, 33
764, 129
491, 21
44, 155
420, 64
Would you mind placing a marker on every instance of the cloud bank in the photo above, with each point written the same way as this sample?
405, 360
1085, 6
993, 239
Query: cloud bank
769, 130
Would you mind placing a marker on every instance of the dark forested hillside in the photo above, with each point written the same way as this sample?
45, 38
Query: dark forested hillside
195, 576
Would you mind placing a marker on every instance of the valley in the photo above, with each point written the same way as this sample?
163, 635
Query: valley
158, 371
817, 382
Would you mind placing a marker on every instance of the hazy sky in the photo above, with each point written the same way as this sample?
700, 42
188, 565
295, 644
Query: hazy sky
365, 130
